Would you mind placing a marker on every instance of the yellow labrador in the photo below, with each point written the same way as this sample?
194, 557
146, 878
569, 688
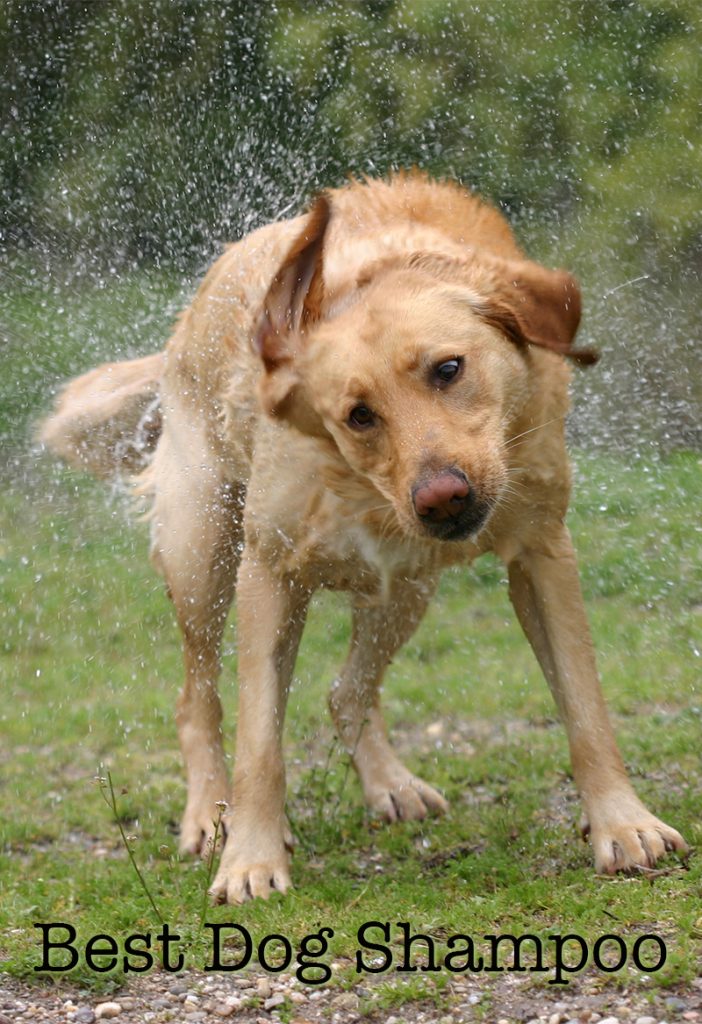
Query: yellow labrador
355, 399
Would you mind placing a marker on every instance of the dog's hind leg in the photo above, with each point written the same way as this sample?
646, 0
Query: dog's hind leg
196, 533
379, 631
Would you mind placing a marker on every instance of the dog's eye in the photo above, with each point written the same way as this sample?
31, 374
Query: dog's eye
361, 418
444, 373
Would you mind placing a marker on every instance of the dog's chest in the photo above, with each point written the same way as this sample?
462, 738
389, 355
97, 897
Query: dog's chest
310, 528
336, 550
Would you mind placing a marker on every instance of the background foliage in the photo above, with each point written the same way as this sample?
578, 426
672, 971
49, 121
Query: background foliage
147, 129
137, 136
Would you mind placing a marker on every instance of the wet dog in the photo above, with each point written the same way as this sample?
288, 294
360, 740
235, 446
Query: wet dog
356, 399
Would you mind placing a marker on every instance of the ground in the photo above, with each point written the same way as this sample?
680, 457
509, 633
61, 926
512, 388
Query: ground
91, 663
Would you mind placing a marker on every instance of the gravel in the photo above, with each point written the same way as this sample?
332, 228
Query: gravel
258, 998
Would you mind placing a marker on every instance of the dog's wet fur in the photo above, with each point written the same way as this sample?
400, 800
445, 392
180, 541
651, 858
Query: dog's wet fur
356, 399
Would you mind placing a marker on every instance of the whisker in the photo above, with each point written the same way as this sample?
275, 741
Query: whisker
509, 443
506, 502
506, 495
389, 524
513, 481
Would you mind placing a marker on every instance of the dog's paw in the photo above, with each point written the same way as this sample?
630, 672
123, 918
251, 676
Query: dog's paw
626, 837
199, 828
243, 875
401, 796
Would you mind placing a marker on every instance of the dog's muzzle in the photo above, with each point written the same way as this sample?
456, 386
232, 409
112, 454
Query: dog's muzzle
447, 507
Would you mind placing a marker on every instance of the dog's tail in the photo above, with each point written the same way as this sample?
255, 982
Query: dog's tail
108, 419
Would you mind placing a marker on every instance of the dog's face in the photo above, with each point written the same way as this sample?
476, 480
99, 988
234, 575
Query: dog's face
416, 391
410, 372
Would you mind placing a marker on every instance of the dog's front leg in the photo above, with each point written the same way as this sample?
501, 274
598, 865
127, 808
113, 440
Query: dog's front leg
545, 592
270, 618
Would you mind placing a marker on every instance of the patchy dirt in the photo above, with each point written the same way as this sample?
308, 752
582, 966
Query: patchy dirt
254, 997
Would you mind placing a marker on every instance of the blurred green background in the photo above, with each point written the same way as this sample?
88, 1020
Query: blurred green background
143, 134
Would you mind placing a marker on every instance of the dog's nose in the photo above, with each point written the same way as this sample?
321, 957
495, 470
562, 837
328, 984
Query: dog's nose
443, 497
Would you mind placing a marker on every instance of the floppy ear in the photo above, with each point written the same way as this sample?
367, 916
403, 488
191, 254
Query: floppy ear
293, 302
294, 298
529, 303
535, 306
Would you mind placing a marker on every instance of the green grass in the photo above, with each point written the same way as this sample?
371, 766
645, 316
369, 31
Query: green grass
90, 660
90, 667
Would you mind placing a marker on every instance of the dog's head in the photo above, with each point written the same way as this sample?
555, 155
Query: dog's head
411, 372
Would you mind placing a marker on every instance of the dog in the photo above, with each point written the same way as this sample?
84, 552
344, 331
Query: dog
356, 399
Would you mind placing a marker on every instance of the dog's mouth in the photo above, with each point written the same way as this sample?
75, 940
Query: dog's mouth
447, 506
467, 523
